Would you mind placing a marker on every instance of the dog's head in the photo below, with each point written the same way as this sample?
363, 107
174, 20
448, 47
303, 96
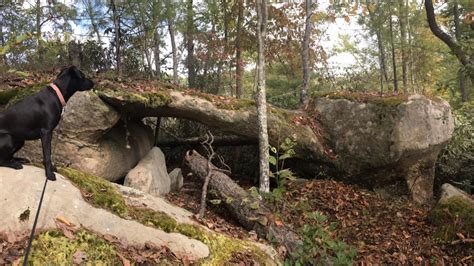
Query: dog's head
72, 78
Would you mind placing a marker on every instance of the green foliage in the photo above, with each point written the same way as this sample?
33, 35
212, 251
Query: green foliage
277, 159
53, 248
456, 161
455, 215
320, 247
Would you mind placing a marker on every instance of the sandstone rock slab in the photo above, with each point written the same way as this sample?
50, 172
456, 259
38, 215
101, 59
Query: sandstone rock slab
20, 190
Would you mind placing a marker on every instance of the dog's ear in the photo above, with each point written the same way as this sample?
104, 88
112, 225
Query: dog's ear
62, 71
74, 71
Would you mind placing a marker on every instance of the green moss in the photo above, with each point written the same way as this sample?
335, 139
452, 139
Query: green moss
389, 100
12, 96
102, 194
24, 92
222, 247
156, 98
455, 215
97, 191
53, 248
6, 95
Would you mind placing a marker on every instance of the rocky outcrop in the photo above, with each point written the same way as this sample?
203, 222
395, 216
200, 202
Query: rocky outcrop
92, 137
20, 190
133, 217
361, 137
150, 175
385, 141
449, 191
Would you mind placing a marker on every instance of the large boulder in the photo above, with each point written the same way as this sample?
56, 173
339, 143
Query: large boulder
20, 190
150, 175
449, 191
380, 142
92, 137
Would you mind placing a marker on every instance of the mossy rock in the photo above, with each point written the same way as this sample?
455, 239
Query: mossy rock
22, 93
451, 216
99, 192
53, 248
102, 194
152, 99
389, 100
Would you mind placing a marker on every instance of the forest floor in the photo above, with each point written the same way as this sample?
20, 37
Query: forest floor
382, 230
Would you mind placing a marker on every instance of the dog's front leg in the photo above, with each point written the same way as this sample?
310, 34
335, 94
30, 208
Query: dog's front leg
46, 138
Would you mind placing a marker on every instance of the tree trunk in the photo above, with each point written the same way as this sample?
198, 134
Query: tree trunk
403, 18
239, 68
218, 141
190, 45
410, 47
261, 97
2, 41
394, 62
457, 30
443, 36
305, 52
95, 28
248, 209
378, 35
174, 51
116, 19
38, 30
156, 40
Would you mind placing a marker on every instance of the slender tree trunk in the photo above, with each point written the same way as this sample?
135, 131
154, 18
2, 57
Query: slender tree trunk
239, 68
156, 39
382, 61
261, 97
410, 47
2, 40
174, 51
383, 72
95, 28
402, 18
305, 53
38, 30
394, 62
190, 45
457, 30
116, 19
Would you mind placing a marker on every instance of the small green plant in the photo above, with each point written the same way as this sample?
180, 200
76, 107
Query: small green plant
320, 247
277, 159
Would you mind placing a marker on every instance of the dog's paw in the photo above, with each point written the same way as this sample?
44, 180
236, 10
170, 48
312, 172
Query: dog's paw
51, 176
55, 169
16, 165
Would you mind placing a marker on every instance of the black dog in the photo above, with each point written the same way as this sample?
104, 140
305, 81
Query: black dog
36, 116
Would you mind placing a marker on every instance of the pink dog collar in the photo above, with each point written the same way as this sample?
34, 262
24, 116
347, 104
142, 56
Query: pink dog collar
58, 93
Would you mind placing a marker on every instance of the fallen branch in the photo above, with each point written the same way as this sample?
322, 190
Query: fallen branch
248, 209
463, 241
210, 151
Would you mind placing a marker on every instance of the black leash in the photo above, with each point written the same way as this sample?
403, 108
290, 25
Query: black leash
32, 235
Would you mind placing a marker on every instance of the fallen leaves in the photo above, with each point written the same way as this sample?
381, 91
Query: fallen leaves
385, 231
